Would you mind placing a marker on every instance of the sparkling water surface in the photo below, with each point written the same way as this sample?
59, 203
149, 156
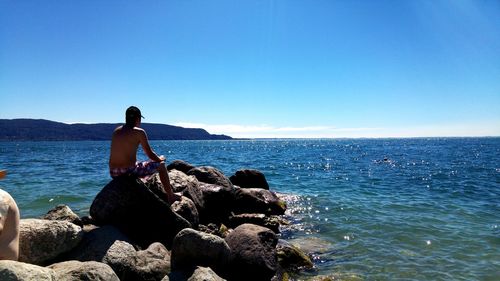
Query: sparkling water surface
384, 209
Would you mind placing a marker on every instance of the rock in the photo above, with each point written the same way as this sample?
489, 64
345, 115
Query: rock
180, 181
20, 271
135, 209
43, 240
204, 274
213, 202
249, 179
187, 209
253, 253
258, 219
193, 248
83, 271
63, 213
152, 263
291, 258
217, 230
96, 243
211, 175
256, 200
197, 274
180, 165
120, 257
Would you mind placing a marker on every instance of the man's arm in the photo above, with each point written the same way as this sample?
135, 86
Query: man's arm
143, 138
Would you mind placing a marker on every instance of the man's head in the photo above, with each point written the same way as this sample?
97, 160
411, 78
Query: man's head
132, 115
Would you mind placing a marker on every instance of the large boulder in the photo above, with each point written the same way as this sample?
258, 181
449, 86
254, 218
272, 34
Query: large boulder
20, 271
213, 202
257, 200
193, 248
180, 181
253, 253
180, 165
138, 211
63, 213
187, 209
249, 179
40, 241
83, 271
211, 175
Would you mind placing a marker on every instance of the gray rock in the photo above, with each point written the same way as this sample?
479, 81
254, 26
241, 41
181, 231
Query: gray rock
213, 202
257, 200
120, 256
95, 243
210, 175
193, 248
204, 274
253, 253
249, 179
152, 263
139, 212
83, 271
180, 165
16, 271
63, 213
43, 240
180, 181
109, 245
187, 209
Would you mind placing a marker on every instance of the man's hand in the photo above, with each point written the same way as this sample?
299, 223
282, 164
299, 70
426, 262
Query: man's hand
162, 158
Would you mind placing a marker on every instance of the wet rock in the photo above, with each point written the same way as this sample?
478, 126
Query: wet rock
253, 253
83, 271
180, 165
204, 274
249, 179
193, 248
63, 213
210, 175
43, 240
15, 271
292, 258
135, 209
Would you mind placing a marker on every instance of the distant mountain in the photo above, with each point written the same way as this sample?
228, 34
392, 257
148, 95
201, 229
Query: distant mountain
43, 130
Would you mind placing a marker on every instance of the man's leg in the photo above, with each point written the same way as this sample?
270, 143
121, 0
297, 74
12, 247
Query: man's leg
165, 181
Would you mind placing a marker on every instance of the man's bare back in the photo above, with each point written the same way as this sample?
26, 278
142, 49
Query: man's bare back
124, 144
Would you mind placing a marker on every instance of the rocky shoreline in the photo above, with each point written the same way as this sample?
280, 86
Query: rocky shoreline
222, 229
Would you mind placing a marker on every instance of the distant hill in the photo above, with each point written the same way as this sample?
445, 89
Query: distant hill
45, 130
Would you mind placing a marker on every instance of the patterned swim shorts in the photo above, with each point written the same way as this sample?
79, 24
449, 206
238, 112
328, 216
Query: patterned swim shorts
141, 169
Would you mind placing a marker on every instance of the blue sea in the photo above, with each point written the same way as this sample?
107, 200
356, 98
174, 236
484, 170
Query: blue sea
367, 209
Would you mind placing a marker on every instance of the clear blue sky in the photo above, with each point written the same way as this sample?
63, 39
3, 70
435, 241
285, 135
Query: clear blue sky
257, 68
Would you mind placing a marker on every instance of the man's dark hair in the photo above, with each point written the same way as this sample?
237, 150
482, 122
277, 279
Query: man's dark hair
131, 116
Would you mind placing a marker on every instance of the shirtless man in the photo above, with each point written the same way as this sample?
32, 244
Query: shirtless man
9, 227
124, 144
